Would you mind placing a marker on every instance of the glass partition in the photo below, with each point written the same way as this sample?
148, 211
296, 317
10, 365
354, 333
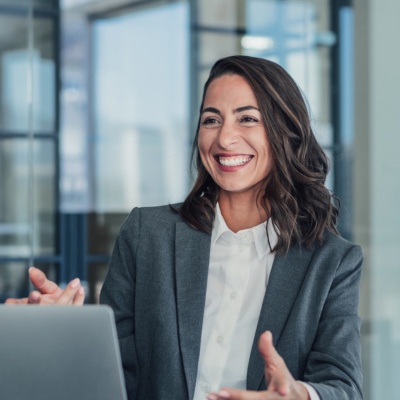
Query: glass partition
22, 233
28, 140
27, 72
140, 139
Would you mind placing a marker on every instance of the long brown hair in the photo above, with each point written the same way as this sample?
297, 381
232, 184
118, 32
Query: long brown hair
295, 197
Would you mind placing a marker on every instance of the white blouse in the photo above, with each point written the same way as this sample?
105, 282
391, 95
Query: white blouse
240, 265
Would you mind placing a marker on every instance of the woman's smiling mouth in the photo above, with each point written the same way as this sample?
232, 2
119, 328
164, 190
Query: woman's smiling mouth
233, 161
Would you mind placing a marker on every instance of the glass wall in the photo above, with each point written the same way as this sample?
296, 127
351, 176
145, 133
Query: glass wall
140, 111
28, 140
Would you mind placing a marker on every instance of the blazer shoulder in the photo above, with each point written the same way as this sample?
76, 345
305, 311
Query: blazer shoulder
335, 247
165, 214
157, 217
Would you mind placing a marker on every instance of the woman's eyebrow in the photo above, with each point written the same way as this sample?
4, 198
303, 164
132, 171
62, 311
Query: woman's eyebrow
212, 110
245, 108
236, 110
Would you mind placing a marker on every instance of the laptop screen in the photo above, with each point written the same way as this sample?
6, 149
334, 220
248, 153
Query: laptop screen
59, 352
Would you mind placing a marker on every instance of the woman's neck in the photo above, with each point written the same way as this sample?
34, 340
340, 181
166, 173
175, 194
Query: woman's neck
240, 212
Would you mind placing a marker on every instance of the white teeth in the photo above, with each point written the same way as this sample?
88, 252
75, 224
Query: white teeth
234, 161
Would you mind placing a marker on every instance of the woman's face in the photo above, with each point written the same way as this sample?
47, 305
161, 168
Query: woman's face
232, 140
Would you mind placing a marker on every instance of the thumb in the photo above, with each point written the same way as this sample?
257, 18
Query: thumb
275, 368
41, 282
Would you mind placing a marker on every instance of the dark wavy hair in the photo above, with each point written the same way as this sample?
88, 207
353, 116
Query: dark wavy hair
295, 197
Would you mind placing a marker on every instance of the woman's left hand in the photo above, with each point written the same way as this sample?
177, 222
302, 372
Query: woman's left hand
281, 384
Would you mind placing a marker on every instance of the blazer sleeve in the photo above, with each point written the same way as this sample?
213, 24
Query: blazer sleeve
334, 363
118, 292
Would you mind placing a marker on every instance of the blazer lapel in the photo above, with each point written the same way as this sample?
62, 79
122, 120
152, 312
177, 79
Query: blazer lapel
284, 283
192, 250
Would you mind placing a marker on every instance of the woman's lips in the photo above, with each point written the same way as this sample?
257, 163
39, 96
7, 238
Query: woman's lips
233, 161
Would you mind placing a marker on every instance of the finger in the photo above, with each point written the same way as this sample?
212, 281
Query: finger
16, 301
271, 357
278, 375
34, 297
69, 293
79, 298
44, 285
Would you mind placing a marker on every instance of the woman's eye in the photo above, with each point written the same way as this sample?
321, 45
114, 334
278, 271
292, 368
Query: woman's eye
248, 120
210, 121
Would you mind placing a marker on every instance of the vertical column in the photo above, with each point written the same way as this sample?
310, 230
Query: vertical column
377, 189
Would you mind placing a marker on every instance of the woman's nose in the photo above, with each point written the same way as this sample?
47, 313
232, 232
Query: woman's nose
228, 135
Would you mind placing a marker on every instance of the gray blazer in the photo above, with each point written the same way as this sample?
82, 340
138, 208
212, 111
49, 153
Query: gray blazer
156, 285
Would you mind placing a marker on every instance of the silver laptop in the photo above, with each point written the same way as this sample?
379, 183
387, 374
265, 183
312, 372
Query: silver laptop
59, 353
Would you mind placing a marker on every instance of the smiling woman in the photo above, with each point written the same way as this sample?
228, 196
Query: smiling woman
251, 257
254, 137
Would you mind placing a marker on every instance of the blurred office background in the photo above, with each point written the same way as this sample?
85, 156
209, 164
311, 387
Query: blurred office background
98, 106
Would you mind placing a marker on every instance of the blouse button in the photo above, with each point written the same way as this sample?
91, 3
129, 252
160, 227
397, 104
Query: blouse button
207, 389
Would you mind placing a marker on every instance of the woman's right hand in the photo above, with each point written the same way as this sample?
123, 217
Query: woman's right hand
48, 292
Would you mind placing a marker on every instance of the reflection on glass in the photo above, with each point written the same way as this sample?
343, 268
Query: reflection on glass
222, 13
17, 205
213, 46
141, 139
15, 61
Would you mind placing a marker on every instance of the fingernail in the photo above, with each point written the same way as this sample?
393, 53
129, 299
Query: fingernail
81, 290
225, 394
34, 296
75, 283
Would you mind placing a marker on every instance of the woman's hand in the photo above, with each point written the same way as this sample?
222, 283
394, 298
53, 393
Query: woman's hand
49, 292
281, 384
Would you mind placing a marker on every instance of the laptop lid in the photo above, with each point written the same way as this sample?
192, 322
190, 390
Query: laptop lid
59, 352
